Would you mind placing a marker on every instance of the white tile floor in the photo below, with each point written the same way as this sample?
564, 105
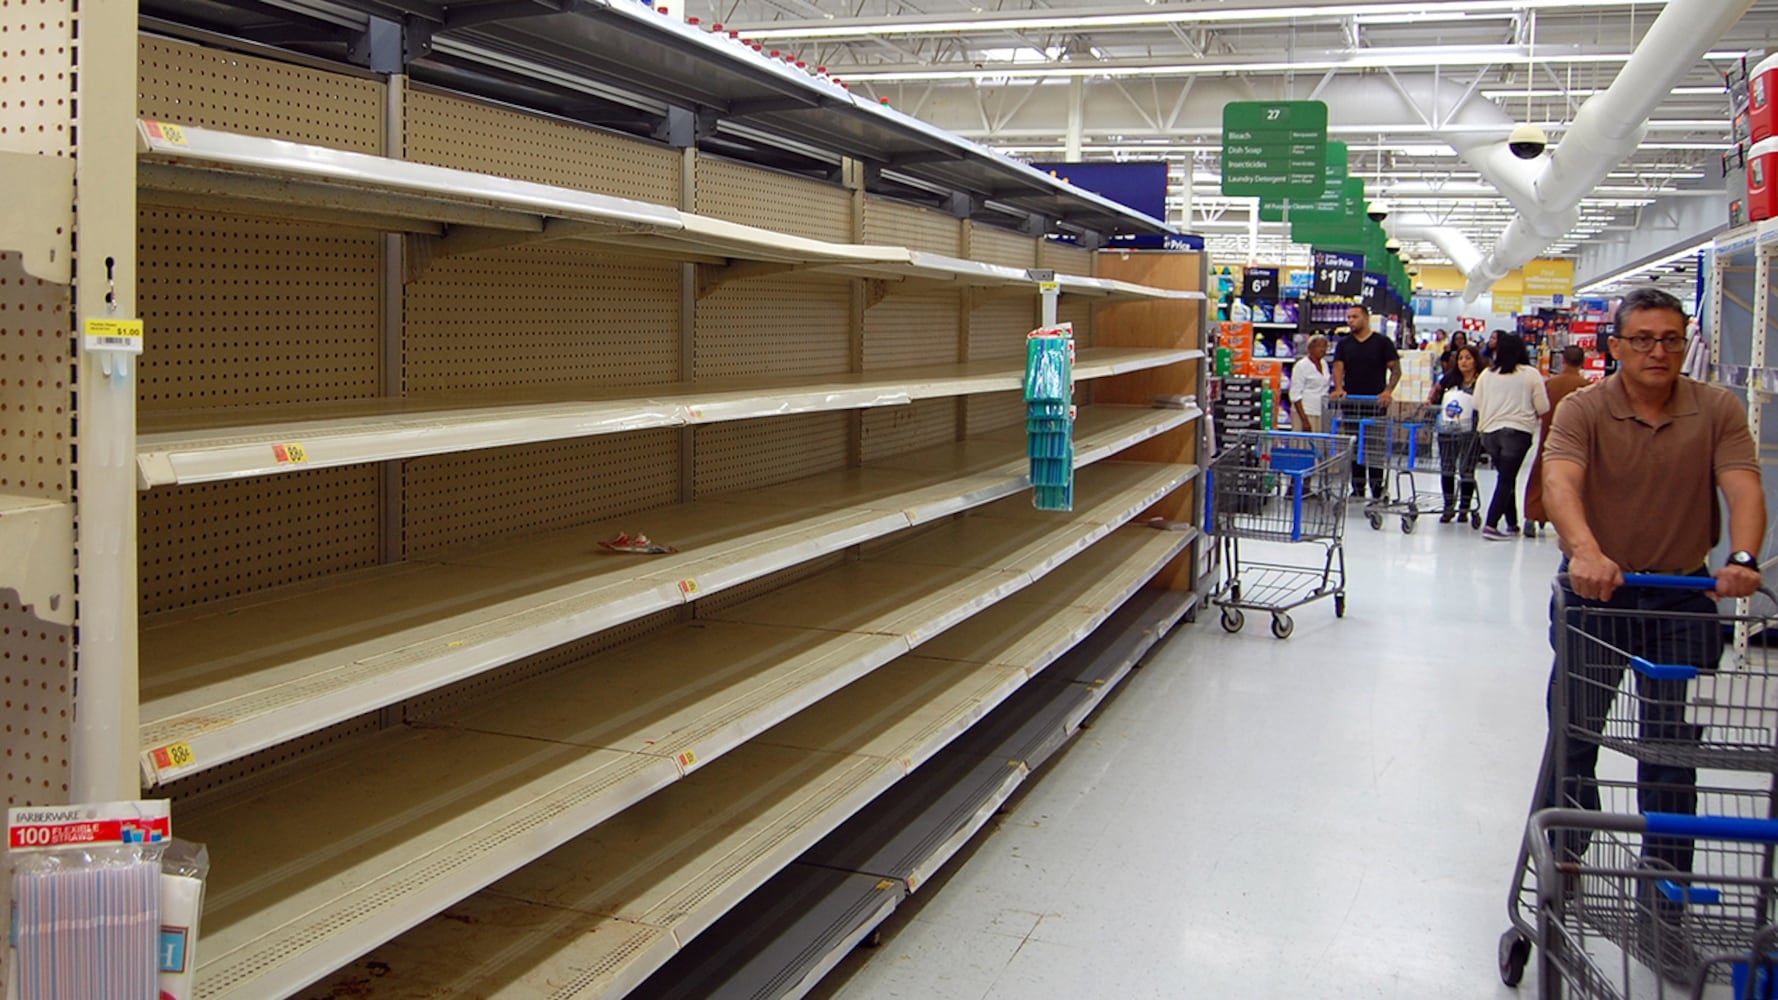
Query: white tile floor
1334, 815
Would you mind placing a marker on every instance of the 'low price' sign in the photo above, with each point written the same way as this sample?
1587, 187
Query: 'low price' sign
1338, 273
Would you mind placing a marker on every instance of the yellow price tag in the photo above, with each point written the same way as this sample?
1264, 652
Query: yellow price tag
173, 755
113, 335
290, 454
688, 586
1049, 286
165, 132
688, 759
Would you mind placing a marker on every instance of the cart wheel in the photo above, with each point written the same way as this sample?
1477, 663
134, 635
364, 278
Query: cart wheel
1376, 521
1515, 952
1233, 619
1282, 626
1339, 605
1407, 525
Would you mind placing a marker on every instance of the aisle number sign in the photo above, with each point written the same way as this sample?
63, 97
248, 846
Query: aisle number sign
1338, 274
1274, 149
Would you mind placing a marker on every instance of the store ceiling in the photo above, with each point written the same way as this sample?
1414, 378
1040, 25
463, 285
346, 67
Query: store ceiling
1148, 80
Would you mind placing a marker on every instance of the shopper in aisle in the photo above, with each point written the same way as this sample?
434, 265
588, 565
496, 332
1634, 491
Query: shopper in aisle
1459, 445
1447, 359
1365, 364
1558, 386
1309, 380
1631, 477
1509, 400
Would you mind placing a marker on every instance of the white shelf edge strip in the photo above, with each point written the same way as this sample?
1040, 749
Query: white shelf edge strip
202, 738
193, 144
188, 457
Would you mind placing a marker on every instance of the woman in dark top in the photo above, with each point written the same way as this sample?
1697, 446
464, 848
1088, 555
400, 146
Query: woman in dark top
1458, 442
1447, 362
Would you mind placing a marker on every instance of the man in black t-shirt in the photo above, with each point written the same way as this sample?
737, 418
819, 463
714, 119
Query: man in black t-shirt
1365, 364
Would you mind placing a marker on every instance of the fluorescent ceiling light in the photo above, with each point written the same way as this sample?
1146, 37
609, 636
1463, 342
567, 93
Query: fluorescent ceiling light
1504, 94
1378, 58
1457, 10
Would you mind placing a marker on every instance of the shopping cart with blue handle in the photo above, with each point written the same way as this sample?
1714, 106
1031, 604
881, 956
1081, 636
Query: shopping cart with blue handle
1642, 683
1621, 925
1284, 487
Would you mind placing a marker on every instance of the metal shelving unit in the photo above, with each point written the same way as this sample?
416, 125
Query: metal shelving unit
666, 870
1739, 320
424, 323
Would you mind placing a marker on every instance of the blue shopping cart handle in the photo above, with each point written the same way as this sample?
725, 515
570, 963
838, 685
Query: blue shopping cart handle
1759, 831
1669, 581
1662, 671
1361, 399
1688, 893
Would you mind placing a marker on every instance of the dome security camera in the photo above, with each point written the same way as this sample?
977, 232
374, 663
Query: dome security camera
1527, 142
1378, 210
1393, 246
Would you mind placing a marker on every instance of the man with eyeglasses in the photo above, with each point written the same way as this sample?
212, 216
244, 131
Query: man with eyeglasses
1632, 469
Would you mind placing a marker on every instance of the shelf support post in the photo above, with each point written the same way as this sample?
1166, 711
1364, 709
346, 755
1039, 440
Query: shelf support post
105, 752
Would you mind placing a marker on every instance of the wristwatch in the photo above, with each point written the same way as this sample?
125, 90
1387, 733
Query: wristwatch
1743, 559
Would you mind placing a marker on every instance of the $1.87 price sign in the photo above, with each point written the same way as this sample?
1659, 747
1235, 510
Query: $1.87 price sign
1339, 273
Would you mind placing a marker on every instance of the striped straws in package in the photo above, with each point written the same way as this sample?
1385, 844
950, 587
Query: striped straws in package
86, 895
1049, 415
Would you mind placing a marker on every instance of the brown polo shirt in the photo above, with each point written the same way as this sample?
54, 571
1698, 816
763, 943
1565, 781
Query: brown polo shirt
1650, 491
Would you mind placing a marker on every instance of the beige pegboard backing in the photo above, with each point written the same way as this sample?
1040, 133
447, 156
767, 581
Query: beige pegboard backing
255, 311
899, 224
469, 692
540, 317
774, 326
759, 197
214, 540
746, 454
242, 776
904, 330
997, 329
451, 131
1079, 311
994, 410
1065, 258
34, 706
1002, 246
193, 85
892, 430
726, 600
36, 408
36, 77
498, 492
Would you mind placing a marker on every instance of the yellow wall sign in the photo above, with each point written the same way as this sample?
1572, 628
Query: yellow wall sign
1509, 302
1549, 277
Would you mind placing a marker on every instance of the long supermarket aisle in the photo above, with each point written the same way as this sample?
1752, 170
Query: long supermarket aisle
1334, 815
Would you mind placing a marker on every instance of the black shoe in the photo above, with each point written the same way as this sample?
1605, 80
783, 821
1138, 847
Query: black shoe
1530, 529
1448, 516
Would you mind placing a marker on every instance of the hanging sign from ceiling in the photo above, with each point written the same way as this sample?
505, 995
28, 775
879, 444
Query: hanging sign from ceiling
1274, 149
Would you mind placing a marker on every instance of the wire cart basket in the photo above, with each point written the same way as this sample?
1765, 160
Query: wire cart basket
1415, 440
1621, 924
1645, 678
1279, 486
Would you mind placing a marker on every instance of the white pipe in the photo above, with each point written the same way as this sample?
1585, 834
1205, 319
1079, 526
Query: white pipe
1608, 127
1464, 254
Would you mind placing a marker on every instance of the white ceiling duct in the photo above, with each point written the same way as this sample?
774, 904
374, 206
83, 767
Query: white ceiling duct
1608, 127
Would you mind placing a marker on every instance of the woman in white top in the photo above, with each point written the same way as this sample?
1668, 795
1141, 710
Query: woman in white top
1310, 379
1509, 397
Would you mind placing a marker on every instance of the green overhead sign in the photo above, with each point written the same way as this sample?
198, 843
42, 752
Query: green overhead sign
1274, 149
1326, 203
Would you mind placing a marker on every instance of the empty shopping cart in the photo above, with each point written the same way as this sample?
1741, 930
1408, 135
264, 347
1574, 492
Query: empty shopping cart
1279, 487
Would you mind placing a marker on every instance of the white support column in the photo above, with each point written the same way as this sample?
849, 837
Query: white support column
105, 756
1076, 119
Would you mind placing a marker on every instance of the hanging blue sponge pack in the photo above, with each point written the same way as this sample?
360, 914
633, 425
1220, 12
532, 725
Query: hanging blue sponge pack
1049, 415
